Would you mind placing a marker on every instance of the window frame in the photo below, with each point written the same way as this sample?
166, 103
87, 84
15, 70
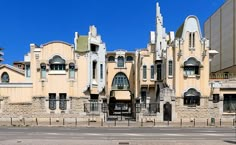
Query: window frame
144, 72
170, 68
152, 72
7, 77
120, 62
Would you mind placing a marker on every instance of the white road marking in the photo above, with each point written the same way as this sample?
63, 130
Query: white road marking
173, 135
118, 129
208, 131
52, 133
166, 138
93, 134
132, 134
169, 129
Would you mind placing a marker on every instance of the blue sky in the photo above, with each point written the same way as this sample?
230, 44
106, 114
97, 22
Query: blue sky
123, 24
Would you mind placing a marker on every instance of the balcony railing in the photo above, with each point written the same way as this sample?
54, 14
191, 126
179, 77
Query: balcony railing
223, 75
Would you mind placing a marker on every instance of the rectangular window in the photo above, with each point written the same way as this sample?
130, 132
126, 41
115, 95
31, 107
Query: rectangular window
229, 104
94, 102
159, 72
94, 69
71, 71
52, 101
94, 47
43, 71
101, 71
144, 72
193, 39
190, 40
216, 98
152, 71
170, 71
27, 69
62, 101
191, 70
192, 100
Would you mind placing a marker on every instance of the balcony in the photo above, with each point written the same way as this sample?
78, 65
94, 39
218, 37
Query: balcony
120, 87
222, 76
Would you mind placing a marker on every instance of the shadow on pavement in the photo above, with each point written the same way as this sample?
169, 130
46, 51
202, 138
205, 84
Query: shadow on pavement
229, 141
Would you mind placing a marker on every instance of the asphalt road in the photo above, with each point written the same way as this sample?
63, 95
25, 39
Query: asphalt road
11, 135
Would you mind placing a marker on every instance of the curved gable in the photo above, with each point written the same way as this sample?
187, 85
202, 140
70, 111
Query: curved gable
191, 24
56, 41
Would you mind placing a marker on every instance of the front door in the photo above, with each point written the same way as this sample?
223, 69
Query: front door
167, 112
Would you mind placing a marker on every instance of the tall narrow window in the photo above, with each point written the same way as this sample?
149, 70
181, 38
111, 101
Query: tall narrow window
190, 40
120, 61
193, 39
94, 69
27, 70
62, 101
170, 68
71, 71
144, 72
101, 71
43, 71
52, 101
158, 72
152, 72
5, 78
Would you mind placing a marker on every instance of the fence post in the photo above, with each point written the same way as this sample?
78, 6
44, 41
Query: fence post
23, 119
101, 122
220, 122
207, 121
11, 121
50, 121
63, 121
36, 121
88, 121
115, 121
154, 122
194, 122
181, 122
76, 121
142, 122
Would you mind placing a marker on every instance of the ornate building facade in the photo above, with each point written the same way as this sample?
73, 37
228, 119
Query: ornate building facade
166, 81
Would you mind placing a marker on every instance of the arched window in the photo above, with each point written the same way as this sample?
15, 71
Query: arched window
5, 78
57, 63
111, 58
192, 97
43, 70
71, 70
120, 81
120, 61
191, 67
129, 58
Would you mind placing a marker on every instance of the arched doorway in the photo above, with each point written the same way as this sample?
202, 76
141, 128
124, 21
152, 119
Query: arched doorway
120, 102
167, 112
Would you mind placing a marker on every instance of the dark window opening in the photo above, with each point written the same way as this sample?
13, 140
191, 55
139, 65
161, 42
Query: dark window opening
216, 98
62, 101
129, 58
52, 101
111, 58
94, 69
229, 104
94, 48
159, 72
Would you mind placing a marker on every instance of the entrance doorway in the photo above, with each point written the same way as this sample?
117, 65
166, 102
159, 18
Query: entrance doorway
167, 112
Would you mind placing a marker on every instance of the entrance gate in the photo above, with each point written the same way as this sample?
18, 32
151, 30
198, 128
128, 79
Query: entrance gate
120, 111
167, 108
